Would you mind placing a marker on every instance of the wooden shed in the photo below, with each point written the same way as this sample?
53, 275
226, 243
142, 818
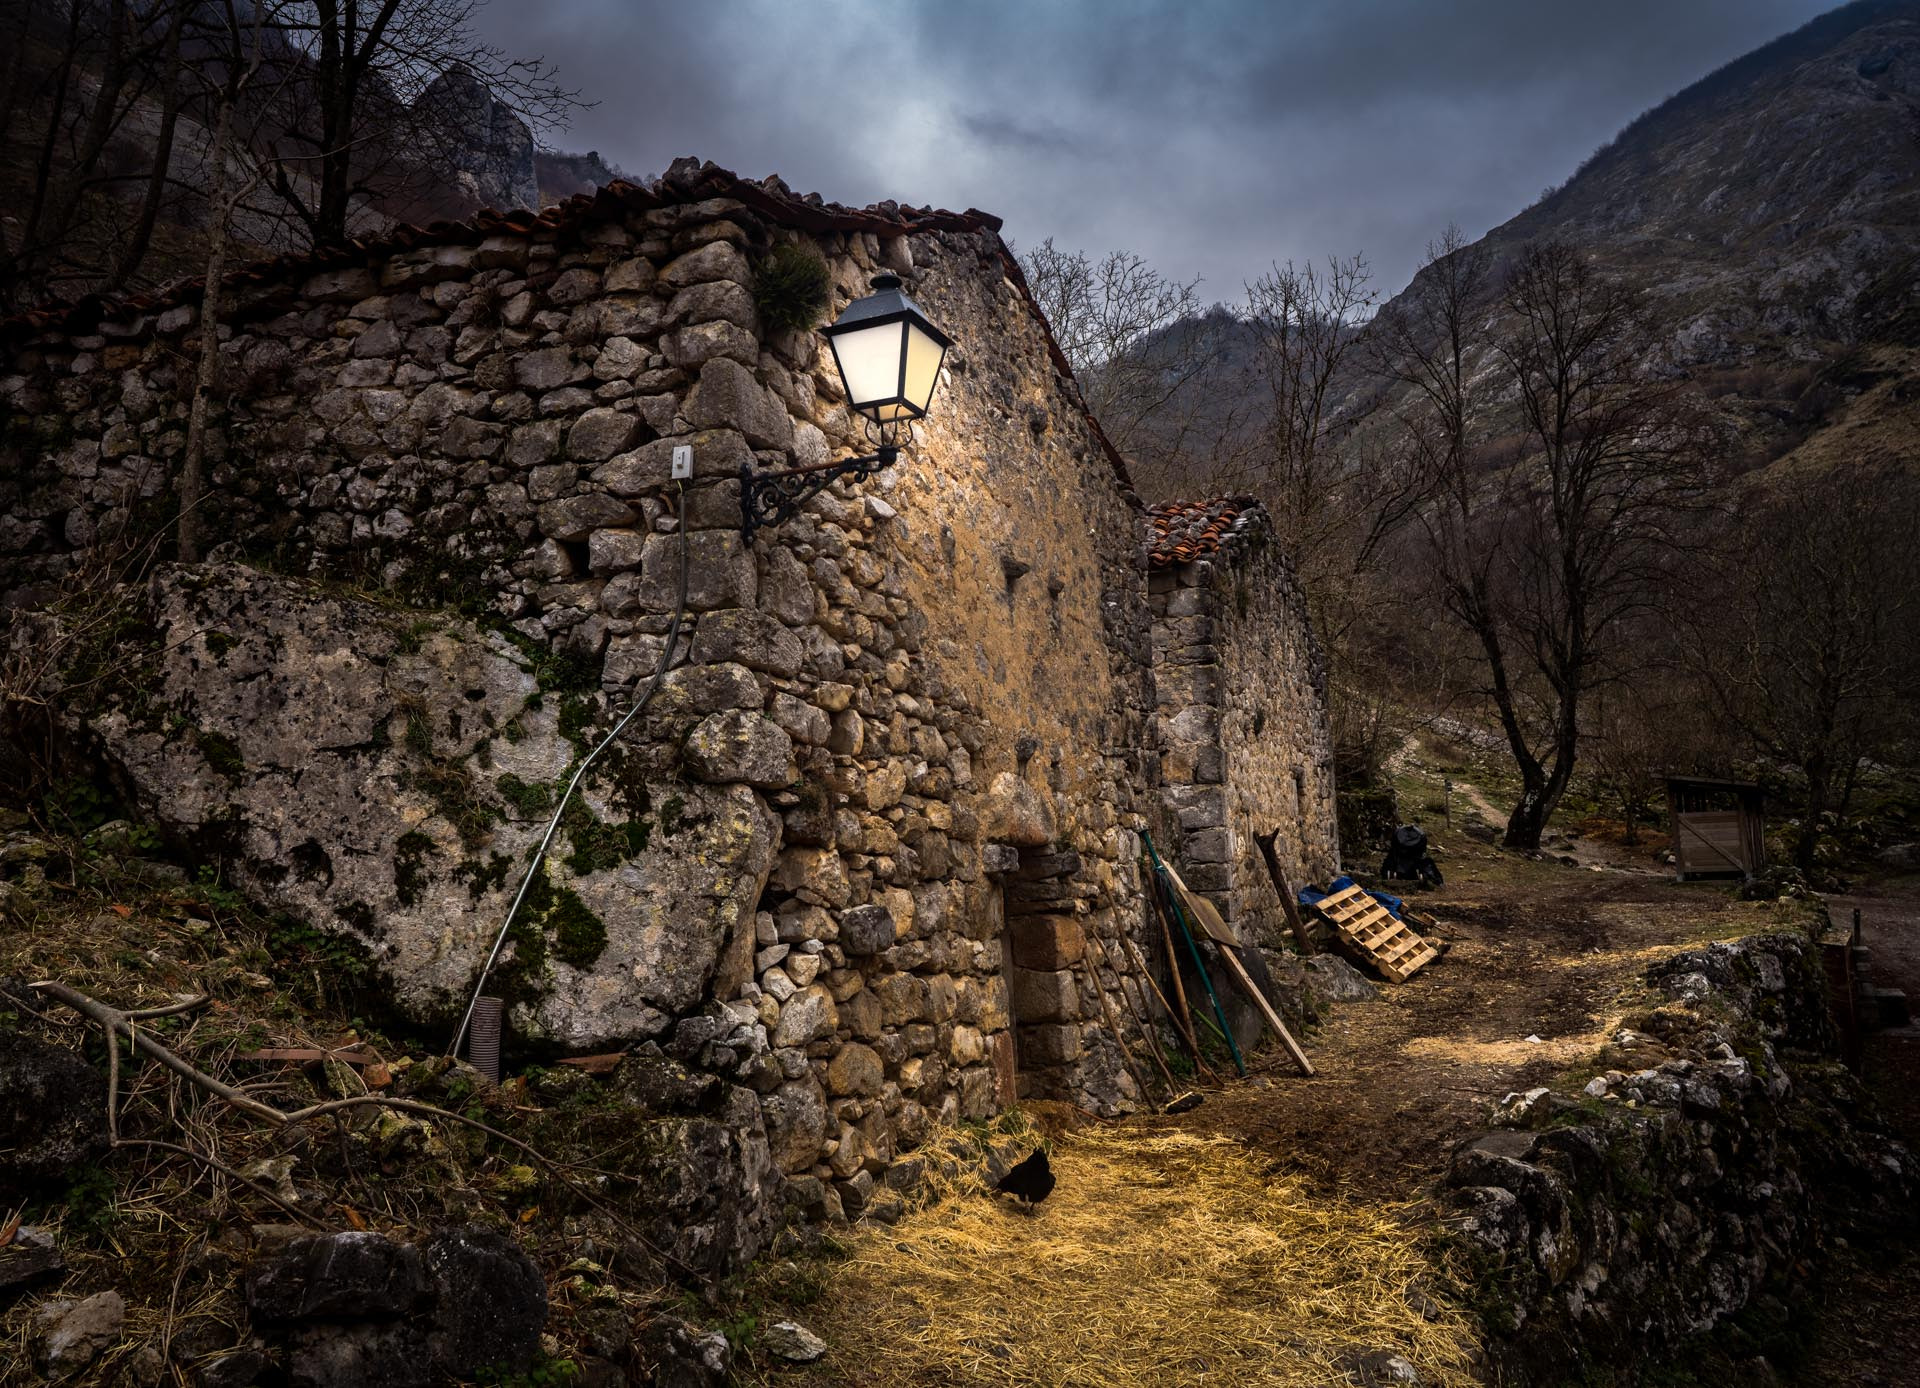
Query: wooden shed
1718, 829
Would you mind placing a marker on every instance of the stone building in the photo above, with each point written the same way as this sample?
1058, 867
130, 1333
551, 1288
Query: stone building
852, 854
1240, 698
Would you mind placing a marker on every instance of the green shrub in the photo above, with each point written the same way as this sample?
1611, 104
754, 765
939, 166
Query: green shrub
791, 288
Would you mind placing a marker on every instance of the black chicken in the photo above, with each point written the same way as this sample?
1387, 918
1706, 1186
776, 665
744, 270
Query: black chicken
1031, 1180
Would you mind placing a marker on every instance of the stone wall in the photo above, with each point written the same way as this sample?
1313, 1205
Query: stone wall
1719, 1147
1245, 745
851, 853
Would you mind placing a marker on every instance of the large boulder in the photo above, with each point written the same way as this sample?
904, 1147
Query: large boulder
383, 776
361, 1309
53, 1115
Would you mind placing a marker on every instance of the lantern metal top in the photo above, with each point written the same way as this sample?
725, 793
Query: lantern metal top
887, 304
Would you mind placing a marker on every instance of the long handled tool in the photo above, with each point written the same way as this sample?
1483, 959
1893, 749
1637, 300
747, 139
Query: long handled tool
1182, 1015
1113, 1026
1141, 1021
1216, 930
1141, 970
1200, 966
1287, 902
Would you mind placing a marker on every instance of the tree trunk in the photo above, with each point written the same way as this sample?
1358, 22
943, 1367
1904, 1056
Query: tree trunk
127, 263
1818, 777
192, 483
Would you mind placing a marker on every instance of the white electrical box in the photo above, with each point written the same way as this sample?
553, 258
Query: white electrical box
682, 462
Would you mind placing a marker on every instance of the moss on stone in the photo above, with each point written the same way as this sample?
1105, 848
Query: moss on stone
530, 799
483, 877
219, 643
576, 720
579, 936
597, 845
221, 753
409, 866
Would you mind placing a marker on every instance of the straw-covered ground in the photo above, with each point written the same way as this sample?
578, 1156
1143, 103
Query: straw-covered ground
1163, 1257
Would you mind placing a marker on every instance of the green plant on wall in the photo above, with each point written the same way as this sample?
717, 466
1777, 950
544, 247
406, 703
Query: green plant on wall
791, 288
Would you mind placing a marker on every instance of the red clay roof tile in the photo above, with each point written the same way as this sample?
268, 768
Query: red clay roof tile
1179, 532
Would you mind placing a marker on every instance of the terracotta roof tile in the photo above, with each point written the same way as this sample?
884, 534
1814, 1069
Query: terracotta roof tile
1179, 532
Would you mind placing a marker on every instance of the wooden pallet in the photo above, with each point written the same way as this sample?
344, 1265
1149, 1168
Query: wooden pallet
1370, 930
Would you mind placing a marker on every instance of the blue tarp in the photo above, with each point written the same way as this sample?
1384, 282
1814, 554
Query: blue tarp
1310, 896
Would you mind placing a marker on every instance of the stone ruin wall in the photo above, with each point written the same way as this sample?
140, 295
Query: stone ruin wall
1245, 743
910, 717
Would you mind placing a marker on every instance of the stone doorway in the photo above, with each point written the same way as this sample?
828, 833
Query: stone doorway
1044, 945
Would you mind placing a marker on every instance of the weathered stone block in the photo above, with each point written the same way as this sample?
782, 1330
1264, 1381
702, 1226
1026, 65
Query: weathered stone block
704, 689
714, 261
702, 342
1018, 812
345, 286
728, 397
754, 639
866, 930
801, 720
1207, 846
739, 745
577, 517
1055, 1044
856, 1071
551, 482
903, 998
599, 434
633, 276
717, 300
335, 1277
807, 1016
546, 369
719, 576
1041, 995
816, 875
613, 551
1047, 942
861, 1015
716, 453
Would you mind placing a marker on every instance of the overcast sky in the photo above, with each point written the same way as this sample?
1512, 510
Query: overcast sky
1211, 136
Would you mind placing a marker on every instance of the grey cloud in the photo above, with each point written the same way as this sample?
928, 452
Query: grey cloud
1212, 137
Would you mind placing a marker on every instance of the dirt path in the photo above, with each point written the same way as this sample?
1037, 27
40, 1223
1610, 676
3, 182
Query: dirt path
1869, 1330
1545, 961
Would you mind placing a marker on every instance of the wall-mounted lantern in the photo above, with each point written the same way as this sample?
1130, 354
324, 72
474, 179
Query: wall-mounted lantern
889, 355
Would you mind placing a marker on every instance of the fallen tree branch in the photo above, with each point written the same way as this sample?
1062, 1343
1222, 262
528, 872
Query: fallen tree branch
226, 1171
118, 1023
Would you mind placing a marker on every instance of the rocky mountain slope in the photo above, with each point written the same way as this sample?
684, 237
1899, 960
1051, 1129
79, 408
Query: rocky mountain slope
1771, 211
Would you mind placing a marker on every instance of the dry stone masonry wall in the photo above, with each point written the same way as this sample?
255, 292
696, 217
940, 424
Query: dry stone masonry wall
847, 858
1718, 1148
1241, 717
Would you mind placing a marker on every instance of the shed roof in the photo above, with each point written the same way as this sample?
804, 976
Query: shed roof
1179, 532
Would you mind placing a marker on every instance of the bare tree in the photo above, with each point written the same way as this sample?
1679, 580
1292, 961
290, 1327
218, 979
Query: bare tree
1143, 348
1802, 628
72, 81
1544, 553
381, 104
1305, 324
233, 178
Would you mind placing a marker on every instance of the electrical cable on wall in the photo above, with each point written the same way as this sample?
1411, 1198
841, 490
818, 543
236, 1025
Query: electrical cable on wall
553, 825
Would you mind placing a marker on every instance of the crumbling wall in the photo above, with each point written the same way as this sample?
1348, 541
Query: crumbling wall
1720, 1145
441, 470
1245, 744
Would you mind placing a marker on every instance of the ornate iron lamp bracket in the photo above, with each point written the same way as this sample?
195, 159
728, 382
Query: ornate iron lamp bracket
768, 498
